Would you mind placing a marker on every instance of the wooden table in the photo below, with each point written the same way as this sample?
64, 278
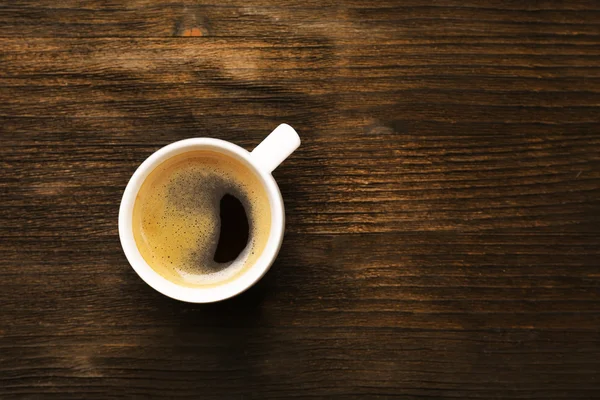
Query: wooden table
443, 235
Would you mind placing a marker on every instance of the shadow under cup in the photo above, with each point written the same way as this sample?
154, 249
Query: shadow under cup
234, 277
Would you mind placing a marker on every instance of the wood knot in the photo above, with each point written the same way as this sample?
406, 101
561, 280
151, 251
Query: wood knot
192, 23
195, 31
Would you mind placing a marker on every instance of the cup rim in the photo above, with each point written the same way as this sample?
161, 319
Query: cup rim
200, 294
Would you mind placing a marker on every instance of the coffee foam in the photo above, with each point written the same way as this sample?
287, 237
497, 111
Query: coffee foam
176, 221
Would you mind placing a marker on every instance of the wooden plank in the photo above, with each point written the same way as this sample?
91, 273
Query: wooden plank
142, 18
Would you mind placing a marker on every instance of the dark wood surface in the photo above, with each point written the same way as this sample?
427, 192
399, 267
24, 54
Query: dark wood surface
443, 235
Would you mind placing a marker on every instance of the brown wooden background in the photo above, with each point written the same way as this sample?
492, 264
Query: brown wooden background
443, 236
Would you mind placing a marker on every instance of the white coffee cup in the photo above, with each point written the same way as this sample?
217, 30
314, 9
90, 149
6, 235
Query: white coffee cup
271, 152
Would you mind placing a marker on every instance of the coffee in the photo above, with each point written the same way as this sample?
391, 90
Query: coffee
201, 218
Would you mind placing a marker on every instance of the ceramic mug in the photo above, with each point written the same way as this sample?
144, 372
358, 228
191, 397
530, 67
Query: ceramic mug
271, 152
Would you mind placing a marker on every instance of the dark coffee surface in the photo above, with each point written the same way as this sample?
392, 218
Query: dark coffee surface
235, 230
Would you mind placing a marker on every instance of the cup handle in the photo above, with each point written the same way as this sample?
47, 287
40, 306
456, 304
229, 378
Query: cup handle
275, 148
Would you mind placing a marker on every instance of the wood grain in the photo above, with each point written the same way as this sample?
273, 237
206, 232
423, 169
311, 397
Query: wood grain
443, 211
